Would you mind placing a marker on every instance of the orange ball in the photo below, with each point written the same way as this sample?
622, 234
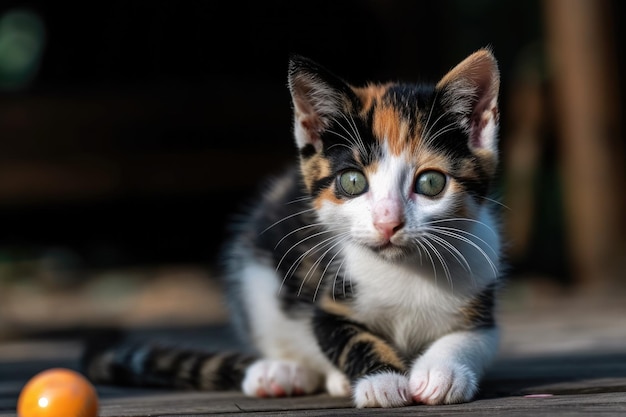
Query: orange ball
58, 392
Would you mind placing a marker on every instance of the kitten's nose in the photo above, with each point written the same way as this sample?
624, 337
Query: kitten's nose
388, 229
388, 217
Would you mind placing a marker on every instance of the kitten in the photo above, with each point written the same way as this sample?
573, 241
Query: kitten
372, 268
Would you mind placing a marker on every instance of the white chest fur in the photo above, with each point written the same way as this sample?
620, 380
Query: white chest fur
404, 304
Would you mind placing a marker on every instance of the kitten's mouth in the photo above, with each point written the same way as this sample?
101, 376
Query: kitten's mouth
385, 246
388, 250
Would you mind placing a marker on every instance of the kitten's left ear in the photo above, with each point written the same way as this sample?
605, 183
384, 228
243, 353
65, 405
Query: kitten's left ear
318, 97
470, 90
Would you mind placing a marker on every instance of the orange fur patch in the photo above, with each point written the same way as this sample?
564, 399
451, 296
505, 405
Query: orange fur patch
370, 95
385, 353
388, 126
326, 195
334, 307
371, 169
314, 168
426, 159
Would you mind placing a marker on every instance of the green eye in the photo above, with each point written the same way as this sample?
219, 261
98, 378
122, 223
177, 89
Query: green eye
352, 182
430, 183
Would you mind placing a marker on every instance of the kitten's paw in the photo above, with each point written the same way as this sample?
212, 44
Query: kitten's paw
337, 384
387, 389
274, 378
442, 383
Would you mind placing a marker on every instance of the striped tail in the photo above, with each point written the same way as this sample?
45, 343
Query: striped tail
153, 365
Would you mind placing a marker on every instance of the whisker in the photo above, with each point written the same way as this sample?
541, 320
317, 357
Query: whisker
442, 261
299, 213
453, 230
357, 136
326, 243
300, 258
296, 264
296, 231
300, 242
299, 199
453, 251
420, 244
430, 113
460, 258
497, 202
354, 135
426, 135
348, 138
343, 145
422, 249
352, 138
319, 282
447, 128
337, 276
464, 219
462, 238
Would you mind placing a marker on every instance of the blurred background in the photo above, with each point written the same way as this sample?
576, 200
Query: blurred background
130, 131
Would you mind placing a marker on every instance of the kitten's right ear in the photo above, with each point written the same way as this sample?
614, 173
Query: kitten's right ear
470, 90
318, 97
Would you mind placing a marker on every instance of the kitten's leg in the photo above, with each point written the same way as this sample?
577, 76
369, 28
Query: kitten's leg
371, 363
292, 363
450, 370
279, 378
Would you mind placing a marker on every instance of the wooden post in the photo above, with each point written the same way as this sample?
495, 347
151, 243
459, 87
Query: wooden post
581, 51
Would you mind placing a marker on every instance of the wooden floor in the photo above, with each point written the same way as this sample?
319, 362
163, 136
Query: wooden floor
559, 356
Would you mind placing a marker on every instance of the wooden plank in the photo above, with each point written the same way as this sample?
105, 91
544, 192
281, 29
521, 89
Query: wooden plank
560, 357
572, 384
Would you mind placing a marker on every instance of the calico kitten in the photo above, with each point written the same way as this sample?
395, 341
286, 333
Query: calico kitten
372, 268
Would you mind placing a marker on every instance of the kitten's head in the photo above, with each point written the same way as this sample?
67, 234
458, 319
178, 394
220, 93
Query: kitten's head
384, 163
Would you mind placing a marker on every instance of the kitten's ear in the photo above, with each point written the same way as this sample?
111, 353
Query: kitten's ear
470, 90
318, 97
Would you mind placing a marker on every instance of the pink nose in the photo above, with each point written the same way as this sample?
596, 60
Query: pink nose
387, 217
388, 229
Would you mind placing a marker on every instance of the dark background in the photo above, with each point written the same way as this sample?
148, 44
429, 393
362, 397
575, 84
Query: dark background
143, 125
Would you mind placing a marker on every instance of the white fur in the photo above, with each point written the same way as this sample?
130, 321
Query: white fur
278, 337
386, 389
451, 368
488, 137
276, 378
337, 384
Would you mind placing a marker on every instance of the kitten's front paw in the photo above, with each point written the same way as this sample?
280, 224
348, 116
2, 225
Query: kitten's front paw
387, 389
442, 383
274, 378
